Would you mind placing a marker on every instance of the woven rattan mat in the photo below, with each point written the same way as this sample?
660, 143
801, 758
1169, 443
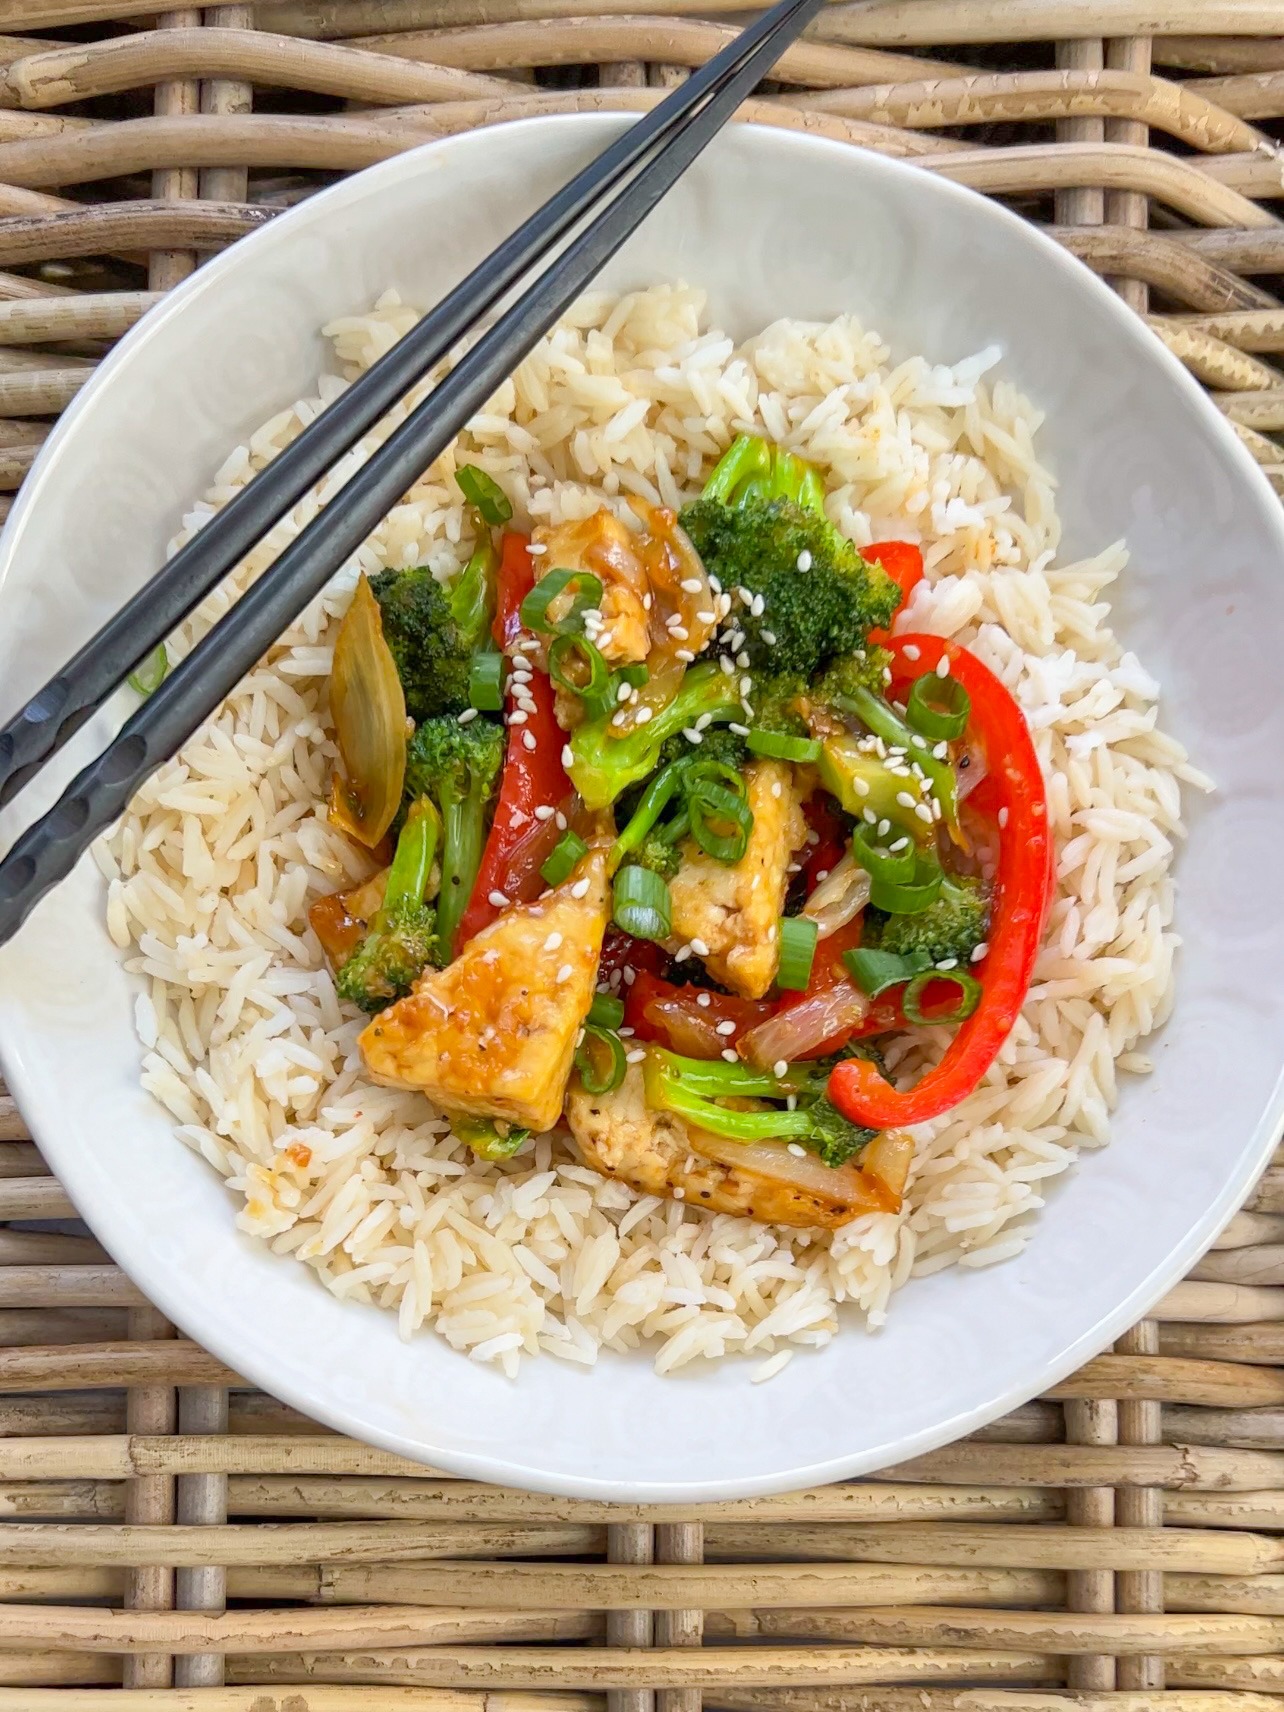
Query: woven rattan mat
175, 1541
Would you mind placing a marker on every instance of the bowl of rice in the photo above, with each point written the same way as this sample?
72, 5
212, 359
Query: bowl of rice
1089, 527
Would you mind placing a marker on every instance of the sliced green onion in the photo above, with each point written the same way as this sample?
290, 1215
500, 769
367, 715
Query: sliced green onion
779, 746
640, 903
600, 1059
485, 493
908, 897
969, 990
710, 805
534, 609
938, 707
893, 867
568, 850
486, 681
488, 1138
606, 1010
635, 674
152, 673
574, 664
798, 938
875, 971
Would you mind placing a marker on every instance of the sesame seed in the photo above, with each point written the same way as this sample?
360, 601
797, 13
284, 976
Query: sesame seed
947, 963
682, 953
727, 665
518, 818
869, 815
738, 729
1003, 817
769, 637
692, 735
979, 951
644, 714
703, 721
905, 799
900, 844
568, 755
646, 601
797, 1149
791, 1103
884, 827
941, 751
565, 973
529, 645
912, 650
727, 1027
683, 654
560, 818
679, 1194
743, 595
862, 786
714, 584
918, 742
622, 694
543, 812
742, 660
528, 739
822, 874
518, 716
580, 889
706, 617
692, 585
467, 714
779, 1067
746, 684
679, 633
630, 975
619, 718
634, 1057
537, 547
699, 947
804, 560
553, 941
923, 812
777, 790
730, 1056
498, 900
943, 666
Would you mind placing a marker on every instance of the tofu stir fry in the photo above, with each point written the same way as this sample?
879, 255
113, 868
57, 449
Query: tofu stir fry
677, 838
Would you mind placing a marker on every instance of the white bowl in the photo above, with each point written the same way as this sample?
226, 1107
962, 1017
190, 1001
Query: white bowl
772, 225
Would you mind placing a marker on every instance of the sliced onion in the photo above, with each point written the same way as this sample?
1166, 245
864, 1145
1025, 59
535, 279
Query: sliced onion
369, 711
801, 1028
690, 1032
666, 672
969, 777
846, 1184
839, 898
888, 1158
671, 562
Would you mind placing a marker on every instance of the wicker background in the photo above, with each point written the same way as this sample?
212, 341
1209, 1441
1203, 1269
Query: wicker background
176, 1541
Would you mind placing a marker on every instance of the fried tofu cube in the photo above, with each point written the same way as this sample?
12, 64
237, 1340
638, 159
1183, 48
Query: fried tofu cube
493, 1034
735, 908
606, 547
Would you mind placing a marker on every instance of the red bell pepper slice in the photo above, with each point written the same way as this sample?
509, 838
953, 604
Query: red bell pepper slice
903, 562
689, 1026
831, 840
533, 777
1014, 789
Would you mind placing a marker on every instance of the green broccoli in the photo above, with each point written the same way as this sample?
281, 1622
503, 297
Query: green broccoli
402, 938
716, 744
693, 1087
951, 927
605, 761
433, 632
709, 793
658, 854
458, 766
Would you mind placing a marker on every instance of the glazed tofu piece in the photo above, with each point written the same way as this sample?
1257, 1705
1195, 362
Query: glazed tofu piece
619, 1135
493, 1034
735, 909
606, 547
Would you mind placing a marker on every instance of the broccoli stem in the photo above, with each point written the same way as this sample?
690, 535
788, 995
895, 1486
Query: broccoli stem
716, 1079
748, 456
412, 860
604, 763
464, 820
860, 782
487, 1138
752, 468
655, 799
884, 721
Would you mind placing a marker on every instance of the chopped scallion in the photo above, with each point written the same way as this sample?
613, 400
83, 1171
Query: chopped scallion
586, 592
780, 746
486, 681
640, 903
969, 991
875, 971
600, 1059
938, 707
485, 493
560, 865
152, 673
798, 938
606, 1010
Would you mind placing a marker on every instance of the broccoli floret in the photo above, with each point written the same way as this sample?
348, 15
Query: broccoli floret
778, 703
717, 744
433, 632
458, 767
402, 938
807, 616
952, 926
693, 1087
605, 762
658, 854
864, 670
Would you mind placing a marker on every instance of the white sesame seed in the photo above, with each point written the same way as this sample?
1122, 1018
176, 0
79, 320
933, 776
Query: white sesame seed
706, 617
740, 730
537, 547
580, 889
645, 714
498, 900
746, 684
543, 812
703, 1000
692, 585
560, 818
758, 607
777, 790
979, 952
622, 694
528, 739
905, 799
679, 1194
730, 1056
943, 666
941, 751
912, 650
553, 941
791, 1103
899, 844
1003, 817
679, 633
769, 637
568, 755
862, 785
728, 666
646, 601
699, 947
797, 1149
918, 742
714, 584
884, 827
804, 560
692, 735
630, 975
703, 721
683, 654
727, 1027
742, 660
634, 1057
947, 963
518, 716
467, 714
682, 953
565, 973
869, 815
779, 1067
619, 718
923, 812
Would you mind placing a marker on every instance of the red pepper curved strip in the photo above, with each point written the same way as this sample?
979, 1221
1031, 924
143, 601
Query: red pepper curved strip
532, 777
903, 562
1014, 785
831, 840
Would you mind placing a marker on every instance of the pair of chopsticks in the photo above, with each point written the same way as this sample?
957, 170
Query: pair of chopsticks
656, 150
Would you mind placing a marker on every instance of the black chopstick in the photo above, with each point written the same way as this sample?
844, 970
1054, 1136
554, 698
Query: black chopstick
81, 686
49, 849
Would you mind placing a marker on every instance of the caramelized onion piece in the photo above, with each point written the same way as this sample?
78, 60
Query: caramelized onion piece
801, 1028
369, 711
847, 1184
839, 898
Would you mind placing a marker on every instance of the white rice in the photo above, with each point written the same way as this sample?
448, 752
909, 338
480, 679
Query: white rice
210, 872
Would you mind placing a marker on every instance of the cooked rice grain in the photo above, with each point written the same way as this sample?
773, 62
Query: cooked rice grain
210, 872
